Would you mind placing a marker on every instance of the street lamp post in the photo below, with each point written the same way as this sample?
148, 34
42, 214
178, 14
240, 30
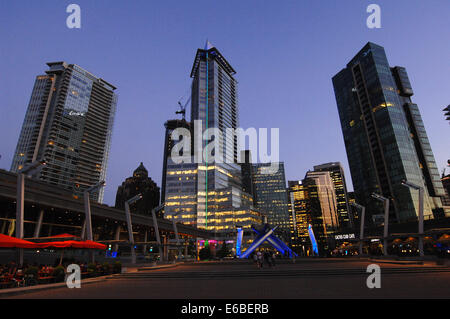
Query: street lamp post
155, 226
420, 189
20, 201
87, 211
130, 225
386, 219
175, 229
361, 230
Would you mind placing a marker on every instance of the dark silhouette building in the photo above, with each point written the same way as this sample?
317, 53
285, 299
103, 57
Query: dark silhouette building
170, 126
247, 173
139, 183
446, 182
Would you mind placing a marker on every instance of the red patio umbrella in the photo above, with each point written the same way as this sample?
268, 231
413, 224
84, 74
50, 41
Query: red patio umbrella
88, 244
71, 244
12, 242
63, 236
60, 237
58, 244
92, 245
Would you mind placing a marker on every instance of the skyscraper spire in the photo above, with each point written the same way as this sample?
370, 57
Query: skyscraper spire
208, 45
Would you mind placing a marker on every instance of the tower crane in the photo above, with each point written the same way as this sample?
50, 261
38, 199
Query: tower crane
182, 110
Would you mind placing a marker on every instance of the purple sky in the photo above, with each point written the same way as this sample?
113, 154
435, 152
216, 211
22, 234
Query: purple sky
284, 52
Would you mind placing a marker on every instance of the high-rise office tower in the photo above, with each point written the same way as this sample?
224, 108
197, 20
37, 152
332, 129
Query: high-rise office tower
271, 196
214, 104
247, 173
300, 215
313, 202
340, 187
68, 124
215, 197
214, 97
385, 137
321, 205
327, 196
170, 126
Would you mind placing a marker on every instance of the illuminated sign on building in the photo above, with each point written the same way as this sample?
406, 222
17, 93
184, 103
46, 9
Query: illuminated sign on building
344, 236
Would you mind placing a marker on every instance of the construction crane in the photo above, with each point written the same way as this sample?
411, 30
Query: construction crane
182, 110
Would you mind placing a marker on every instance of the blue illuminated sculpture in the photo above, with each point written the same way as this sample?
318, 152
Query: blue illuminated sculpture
240, 235
266, 233
313, 240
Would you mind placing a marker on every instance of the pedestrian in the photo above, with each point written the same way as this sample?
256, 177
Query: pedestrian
260, 259
267, 259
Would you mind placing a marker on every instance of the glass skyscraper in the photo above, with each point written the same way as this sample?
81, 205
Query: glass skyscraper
313, 201
384, 136
271, 196
211, 189
68, 124
299, 215
170, 126
326, 194
181, 192
340, 187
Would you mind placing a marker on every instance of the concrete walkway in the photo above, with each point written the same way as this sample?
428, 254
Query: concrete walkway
126, 269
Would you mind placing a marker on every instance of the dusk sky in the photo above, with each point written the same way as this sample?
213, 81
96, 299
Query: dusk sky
285, 54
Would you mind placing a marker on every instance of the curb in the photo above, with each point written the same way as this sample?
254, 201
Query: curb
157, 267
398, 262
25, 290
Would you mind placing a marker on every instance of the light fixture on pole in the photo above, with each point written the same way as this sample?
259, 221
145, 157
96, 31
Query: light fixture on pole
175, 229
155, 226
420, 189
87, 207
20, 200
130, 225
87, 211
361, 231
386, 219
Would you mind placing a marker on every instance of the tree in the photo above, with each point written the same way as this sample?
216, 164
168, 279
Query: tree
224, 251
205, 253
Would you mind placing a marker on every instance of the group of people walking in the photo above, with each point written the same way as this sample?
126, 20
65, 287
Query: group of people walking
260, 258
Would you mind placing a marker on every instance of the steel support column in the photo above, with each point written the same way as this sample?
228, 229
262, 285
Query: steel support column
37, 230
130, 233
20, 214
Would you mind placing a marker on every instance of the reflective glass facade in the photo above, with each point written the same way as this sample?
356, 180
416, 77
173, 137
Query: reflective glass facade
170, 126
215, 189
69, 125
373, 102
271, 196
181, 192
321, 205
340, 187
300, 216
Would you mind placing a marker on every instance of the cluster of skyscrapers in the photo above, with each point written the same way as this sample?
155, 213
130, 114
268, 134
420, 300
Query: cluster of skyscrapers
69, 123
